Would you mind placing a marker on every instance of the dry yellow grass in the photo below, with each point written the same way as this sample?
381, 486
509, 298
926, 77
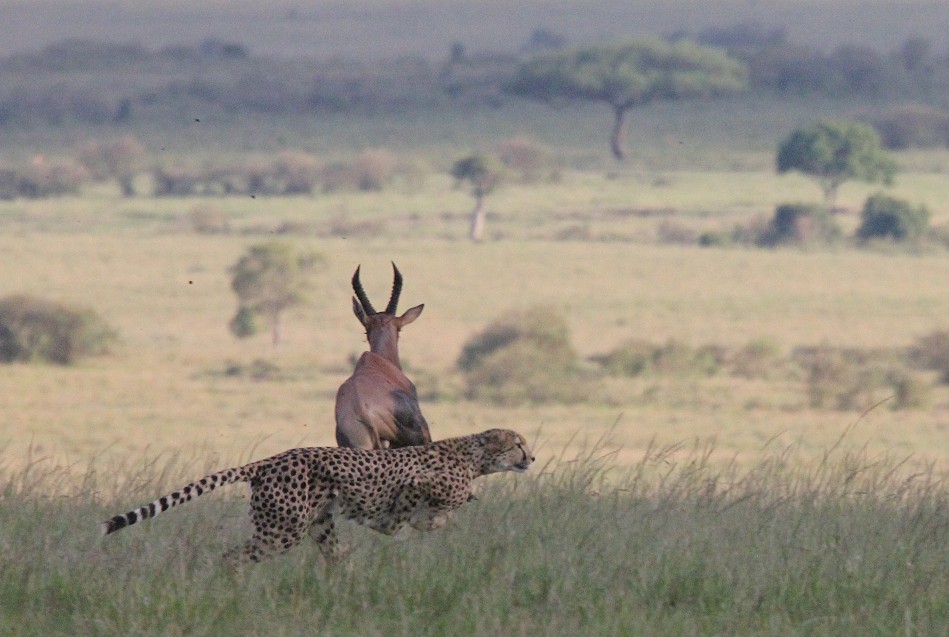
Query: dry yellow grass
163, 388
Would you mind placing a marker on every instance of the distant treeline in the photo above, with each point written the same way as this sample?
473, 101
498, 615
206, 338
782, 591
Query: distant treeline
97, 82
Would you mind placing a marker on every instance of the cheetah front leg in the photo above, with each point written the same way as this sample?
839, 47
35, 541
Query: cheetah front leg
425, 504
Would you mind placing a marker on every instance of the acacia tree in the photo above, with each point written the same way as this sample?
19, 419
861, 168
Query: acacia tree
483, 173
638, 72
268, 279
833, 152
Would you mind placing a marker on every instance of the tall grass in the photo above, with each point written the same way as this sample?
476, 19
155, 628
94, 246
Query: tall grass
675, 545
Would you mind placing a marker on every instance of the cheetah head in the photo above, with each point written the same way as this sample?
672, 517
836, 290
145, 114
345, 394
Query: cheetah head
505, 450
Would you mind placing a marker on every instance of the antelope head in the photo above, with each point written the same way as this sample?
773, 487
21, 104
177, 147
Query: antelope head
382, 328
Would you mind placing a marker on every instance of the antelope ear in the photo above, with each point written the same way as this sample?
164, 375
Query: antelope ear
411, 314
359, 312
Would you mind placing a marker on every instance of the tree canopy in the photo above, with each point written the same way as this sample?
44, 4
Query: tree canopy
628, 75
836, 151
268, 278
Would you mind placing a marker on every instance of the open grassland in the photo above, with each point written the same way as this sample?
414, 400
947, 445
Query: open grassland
662, 504
845, 544
166, 386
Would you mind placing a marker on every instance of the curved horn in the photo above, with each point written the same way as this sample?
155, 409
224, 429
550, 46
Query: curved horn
396, 290
361, 294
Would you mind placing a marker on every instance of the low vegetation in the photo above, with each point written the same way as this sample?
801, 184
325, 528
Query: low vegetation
523, 357
847, 545
39, 330
886, 217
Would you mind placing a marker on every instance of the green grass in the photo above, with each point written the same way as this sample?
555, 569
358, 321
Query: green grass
844, 545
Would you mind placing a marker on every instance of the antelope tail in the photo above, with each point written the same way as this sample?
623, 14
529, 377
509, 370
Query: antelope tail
182, 495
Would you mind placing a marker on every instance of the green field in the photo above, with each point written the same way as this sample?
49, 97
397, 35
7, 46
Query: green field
842, 546
666, 503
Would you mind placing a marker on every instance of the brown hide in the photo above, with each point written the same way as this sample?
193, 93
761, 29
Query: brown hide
377, 407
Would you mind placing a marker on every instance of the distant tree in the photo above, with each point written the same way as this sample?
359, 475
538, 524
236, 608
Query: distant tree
628, 75
833, 152
483, 173
119, 159
268, 279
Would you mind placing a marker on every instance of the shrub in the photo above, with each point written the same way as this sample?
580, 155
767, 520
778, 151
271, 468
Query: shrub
42, 178
632, 358
932, 352
910, 390
33, 329
886, 217
800, 224
209, 219
675, 232
525, 357
676, 357
913, 126
756, 359
636, 356
176, 181
524, 156
375, 168
299, 172
840, 379
339, 176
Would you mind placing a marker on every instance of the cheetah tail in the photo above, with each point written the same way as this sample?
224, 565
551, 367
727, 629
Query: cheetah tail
185, 494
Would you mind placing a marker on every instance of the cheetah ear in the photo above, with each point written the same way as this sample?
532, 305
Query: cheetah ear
497, 440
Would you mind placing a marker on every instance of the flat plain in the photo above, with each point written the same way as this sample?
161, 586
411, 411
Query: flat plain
681, 503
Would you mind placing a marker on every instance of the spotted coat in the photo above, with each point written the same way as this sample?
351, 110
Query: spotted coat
301, 491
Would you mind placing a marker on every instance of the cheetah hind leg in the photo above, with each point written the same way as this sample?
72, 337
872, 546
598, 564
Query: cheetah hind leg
276, 531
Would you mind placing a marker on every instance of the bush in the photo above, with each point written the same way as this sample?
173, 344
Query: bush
910, 390
298, 171
800, 224
246, 322
209, 219
375, 169
176, 181
525, 156
525, 357
932, 352
885, 217
913, 126
636, 356
33, 330
632, 358
756, 359
42, 179
676, 357
840, 379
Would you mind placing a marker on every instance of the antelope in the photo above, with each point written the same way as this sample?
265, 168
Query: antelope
377, 407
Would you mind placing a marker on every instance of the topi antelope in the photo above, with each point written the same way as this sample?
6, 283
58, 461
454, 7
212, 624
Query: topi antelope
377, 407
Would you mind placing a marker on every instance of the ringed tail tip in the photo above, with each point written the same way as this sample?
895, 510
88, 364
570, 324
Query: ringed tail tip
112, 525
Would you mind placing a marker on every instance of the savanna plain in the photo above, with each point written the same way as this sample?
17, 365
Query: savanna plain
725, 488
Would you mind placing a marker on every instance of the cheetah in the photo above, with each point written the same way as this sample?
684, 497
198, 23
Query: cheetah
301, 491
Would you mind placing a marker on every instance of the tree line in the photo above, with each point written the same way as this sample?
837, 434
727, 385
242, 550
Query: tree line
109, 83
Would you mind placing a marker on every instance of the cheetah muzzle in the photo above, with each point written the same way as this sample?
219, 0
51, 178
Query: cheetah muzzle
301, 491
